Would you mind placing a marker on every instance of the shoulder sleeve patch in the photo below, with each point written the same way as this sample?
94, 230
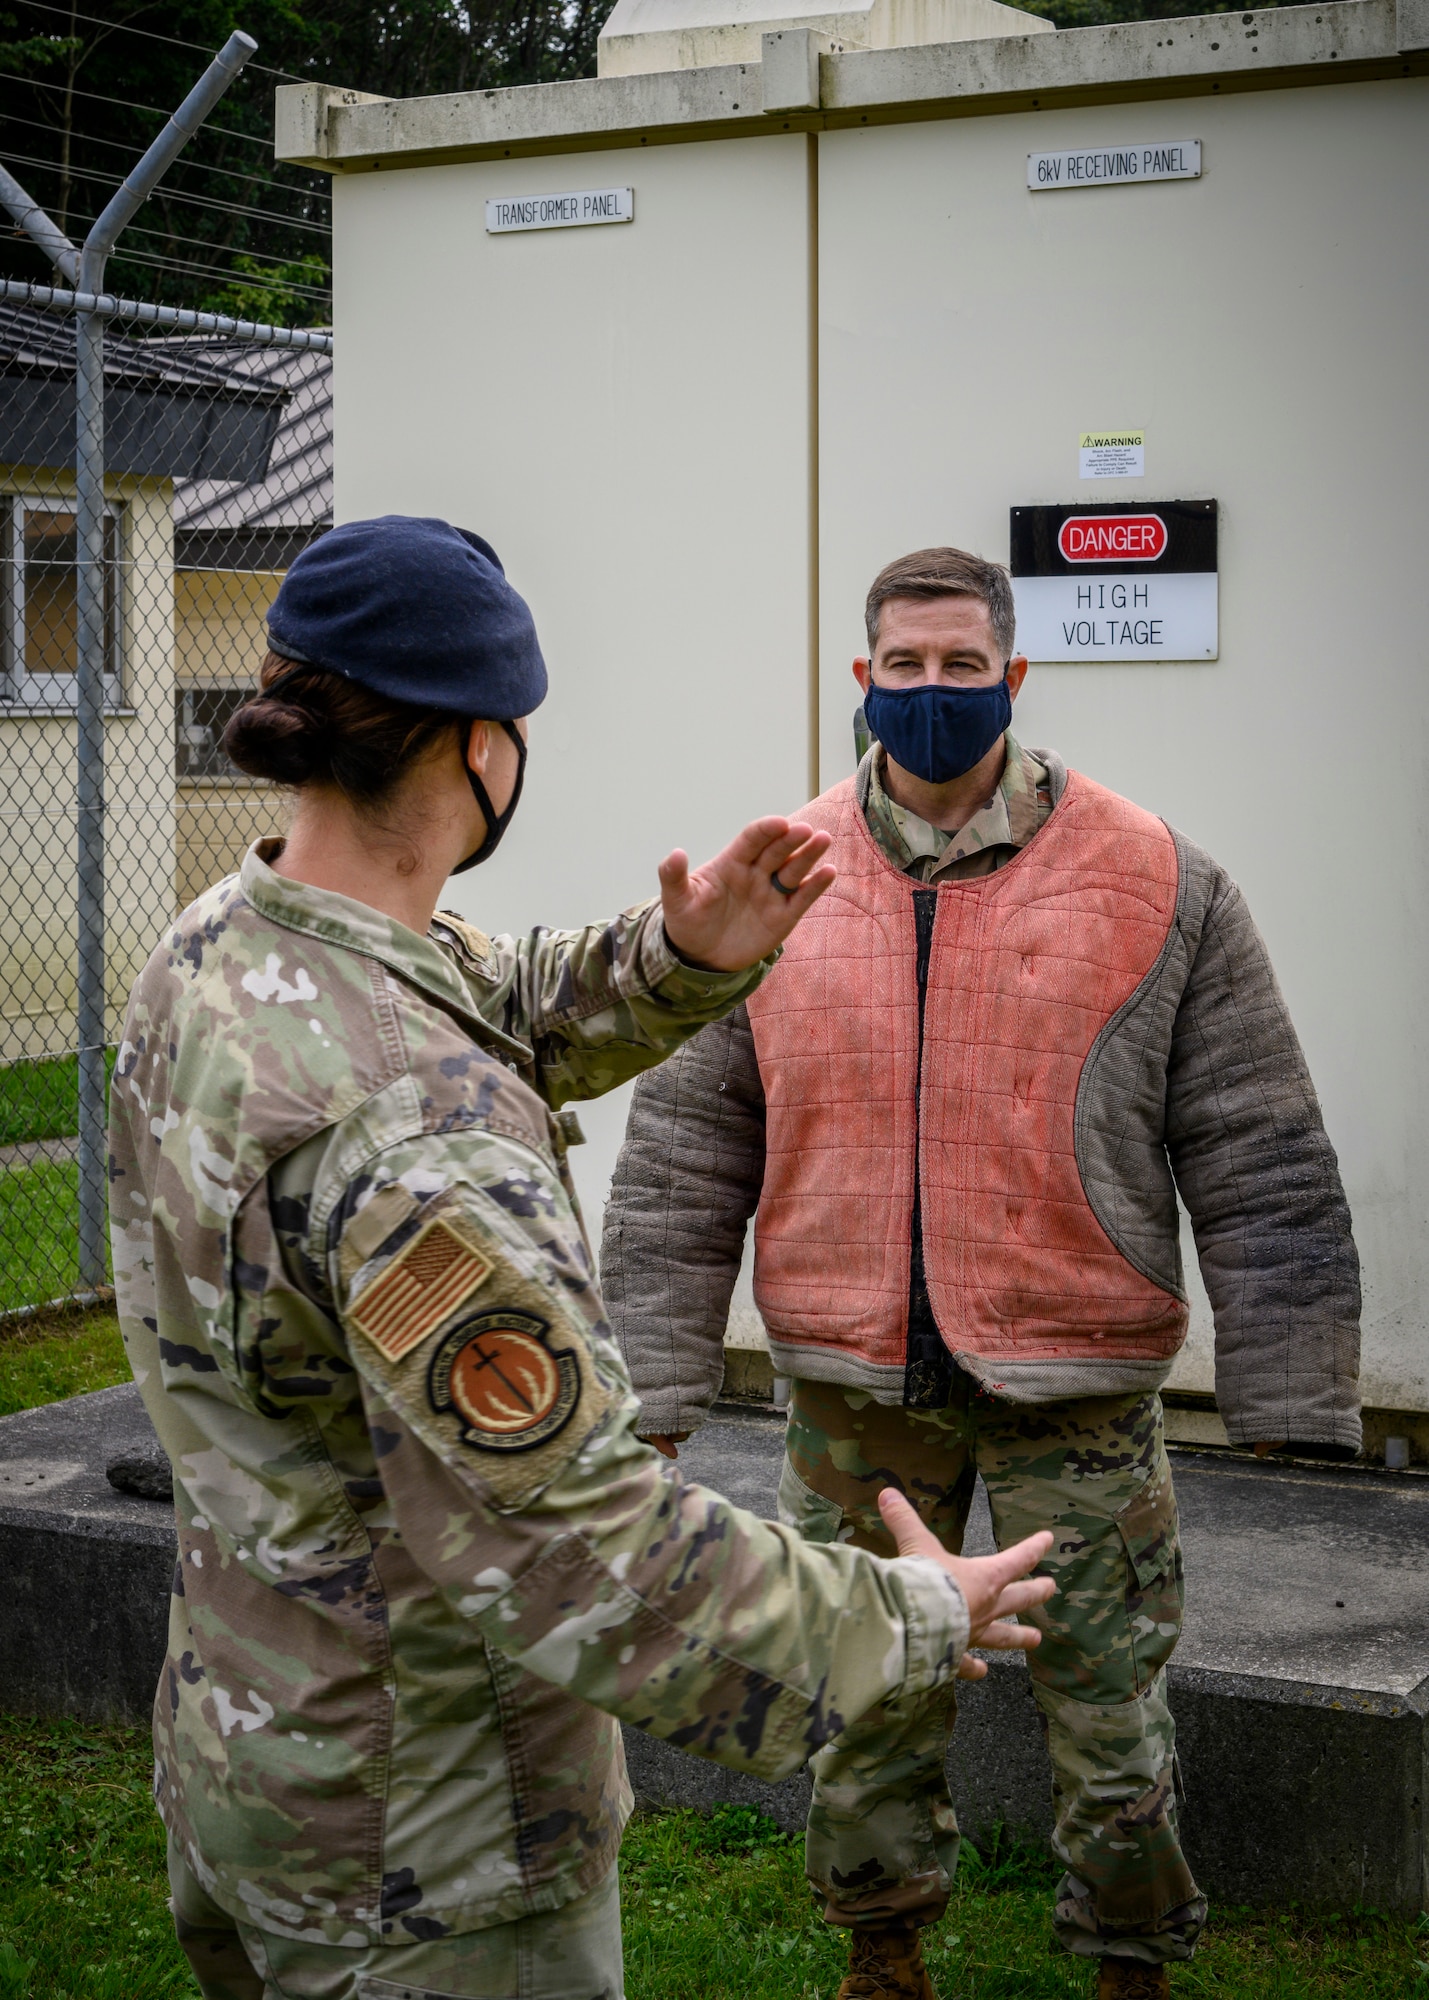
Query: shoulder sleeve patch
512, 1392
433, 1273
492, 1371
505, 1381
470, 943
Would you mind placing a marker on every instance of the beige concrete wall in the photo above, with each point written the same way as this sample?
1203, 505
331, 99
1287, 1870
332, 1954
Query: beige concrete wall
219, 622
1265, 326
623, 412
37, 785
220, 637
218, 819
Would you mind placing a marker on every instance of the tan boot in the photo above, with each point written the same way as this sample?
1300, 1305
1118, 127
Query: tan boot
1131, 1979
885, 1962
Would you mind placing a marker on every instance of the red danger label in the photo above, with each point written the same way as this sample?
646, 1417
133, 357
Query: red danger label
1099, 538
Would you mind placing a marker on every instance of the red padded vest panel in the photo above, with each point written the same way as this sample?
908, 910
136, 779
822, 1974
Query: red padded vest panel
1028, 965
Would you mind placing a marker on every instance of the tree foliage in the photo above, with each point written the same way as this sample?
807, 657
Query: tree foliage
86, 84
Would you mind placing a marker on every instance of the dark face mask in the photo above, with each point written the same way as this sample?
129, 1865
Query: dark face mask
938, 733
496, 823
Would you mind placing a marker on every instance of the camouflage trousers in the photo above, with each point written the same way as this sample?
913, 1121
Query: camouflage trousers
572, 1953
883, 1837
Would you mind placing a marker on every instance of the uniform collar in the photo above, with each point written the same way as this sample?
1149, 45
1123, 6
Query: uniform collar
351, 926
1008, 819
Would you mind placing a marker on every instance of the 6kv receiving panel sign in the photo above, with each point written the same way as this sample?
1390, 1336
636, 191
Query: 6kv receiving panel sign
1116, 582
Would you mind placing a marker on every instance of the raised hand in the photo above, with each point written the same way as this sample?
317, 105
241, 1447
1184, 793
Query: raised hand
729, 914
996, 1587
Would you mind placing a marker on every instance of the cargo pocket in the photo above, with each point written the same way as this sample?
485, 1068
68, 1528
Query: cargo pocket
817, 1519
1150, 1533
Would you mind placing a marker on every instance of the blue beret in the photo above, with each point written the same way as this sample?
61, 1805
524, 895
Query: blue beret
416, 610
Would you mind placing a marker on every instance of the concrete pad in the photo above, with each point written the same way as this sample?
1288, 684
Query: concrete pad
1300, 1687
86, 1568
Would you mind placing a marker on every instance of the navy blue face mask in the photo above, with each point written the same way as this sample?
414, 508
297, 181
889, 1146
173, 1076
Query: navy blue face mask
938, 733
496, 822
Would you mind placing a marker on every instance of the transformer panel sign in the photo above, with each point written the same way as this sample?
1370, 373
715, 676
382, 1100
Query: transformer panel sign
1116, 582
560, 211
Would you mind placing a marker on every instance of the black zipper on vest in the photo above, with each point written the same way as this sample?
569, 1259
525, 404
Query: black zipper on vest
928, 1366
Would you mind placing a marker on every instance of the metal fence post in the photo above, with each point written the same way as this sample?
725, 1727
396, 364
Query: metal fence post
91, 639
42, 232
92, 642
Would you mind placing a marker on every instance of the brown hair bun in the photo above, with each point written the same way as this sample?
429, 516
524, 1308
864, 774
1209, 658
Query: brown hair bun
319, 729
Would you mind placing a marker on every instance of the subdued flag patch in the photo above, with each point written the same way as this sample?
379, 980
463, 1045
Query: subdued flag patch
423, 1285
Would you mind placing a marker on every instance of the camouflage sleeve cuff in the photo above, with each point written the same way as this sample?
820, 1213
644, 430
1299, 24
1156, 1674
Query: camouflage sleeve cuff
675, 980
935, 1615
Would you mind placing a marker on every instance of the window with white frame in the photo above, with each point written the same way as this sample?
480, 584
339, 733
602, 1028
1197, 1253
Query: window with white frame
41, 641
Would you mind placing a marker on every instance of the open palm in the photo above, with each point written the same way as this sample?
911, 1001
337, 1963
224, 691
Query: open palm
729, 914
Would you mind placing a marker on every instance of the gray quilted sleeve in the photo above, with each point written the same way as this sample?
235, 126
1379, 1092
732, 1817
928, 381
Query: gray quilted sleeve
1260, 1181
686, 1183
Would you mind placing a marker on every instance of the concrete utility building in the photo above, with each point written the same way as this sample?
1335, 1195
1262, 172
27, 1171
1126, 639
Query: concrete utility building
702, 342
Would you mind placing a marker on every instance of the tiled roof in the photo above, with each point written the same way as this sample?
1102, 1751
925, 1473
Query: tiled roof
173, 409
293, 500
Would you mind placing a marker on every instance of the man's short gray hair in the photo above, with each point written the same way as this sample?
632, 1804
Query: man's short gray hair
946, 573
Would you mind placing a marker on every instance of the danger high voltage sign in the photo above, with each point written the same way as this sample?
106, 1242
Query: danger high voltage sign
1116, 582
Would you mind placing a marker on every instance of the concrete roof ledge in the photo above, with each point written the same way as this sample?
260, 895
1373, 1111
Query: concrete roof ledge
339, 131
1196, 46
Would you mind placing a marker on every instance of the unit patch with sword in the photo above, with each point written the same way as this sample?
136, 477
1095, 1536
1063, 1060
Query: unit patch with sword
504, 1382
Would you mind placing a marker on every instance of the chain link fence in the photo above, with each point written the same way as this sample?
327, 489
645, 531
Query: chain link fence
217, 471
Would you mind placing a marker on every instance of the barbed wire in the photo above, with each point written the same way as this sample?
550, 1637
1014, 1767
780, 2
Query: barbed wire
127, 104
195, 200
267, 280
186, 164
172, 236
126, 28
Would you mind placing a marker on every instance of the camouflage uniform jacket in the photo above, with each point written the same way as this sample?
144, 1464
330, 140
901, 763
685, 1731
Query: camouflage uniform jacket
423, 1559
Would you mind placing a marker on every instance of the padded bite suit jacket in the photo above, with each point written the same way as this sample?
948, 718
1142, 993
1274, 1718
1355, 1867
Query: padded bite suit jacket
1019, 1072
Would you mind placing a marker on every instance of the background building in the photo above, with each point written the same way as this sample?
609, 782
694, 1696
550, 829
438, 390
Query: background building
232, 545
219, 469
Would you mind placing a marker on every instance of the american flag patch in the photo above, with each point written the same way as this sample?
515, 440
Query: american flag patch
423, 1285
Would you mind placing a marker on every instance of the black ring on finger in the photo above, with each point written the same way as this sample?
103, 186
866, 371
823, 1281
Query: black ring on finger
783, 888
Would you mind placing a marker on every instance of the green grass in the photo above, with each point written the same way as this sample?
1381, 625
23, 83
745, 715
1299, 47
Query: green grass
714, 1908
39, 1237
39, 1201
43, 1361
40, 1100
83, 1914
717, 1909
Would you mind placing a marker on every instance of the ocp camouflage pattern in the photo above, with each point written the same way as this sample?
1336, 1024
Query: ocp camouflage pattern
982, 844
397, 1654
883, 1837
